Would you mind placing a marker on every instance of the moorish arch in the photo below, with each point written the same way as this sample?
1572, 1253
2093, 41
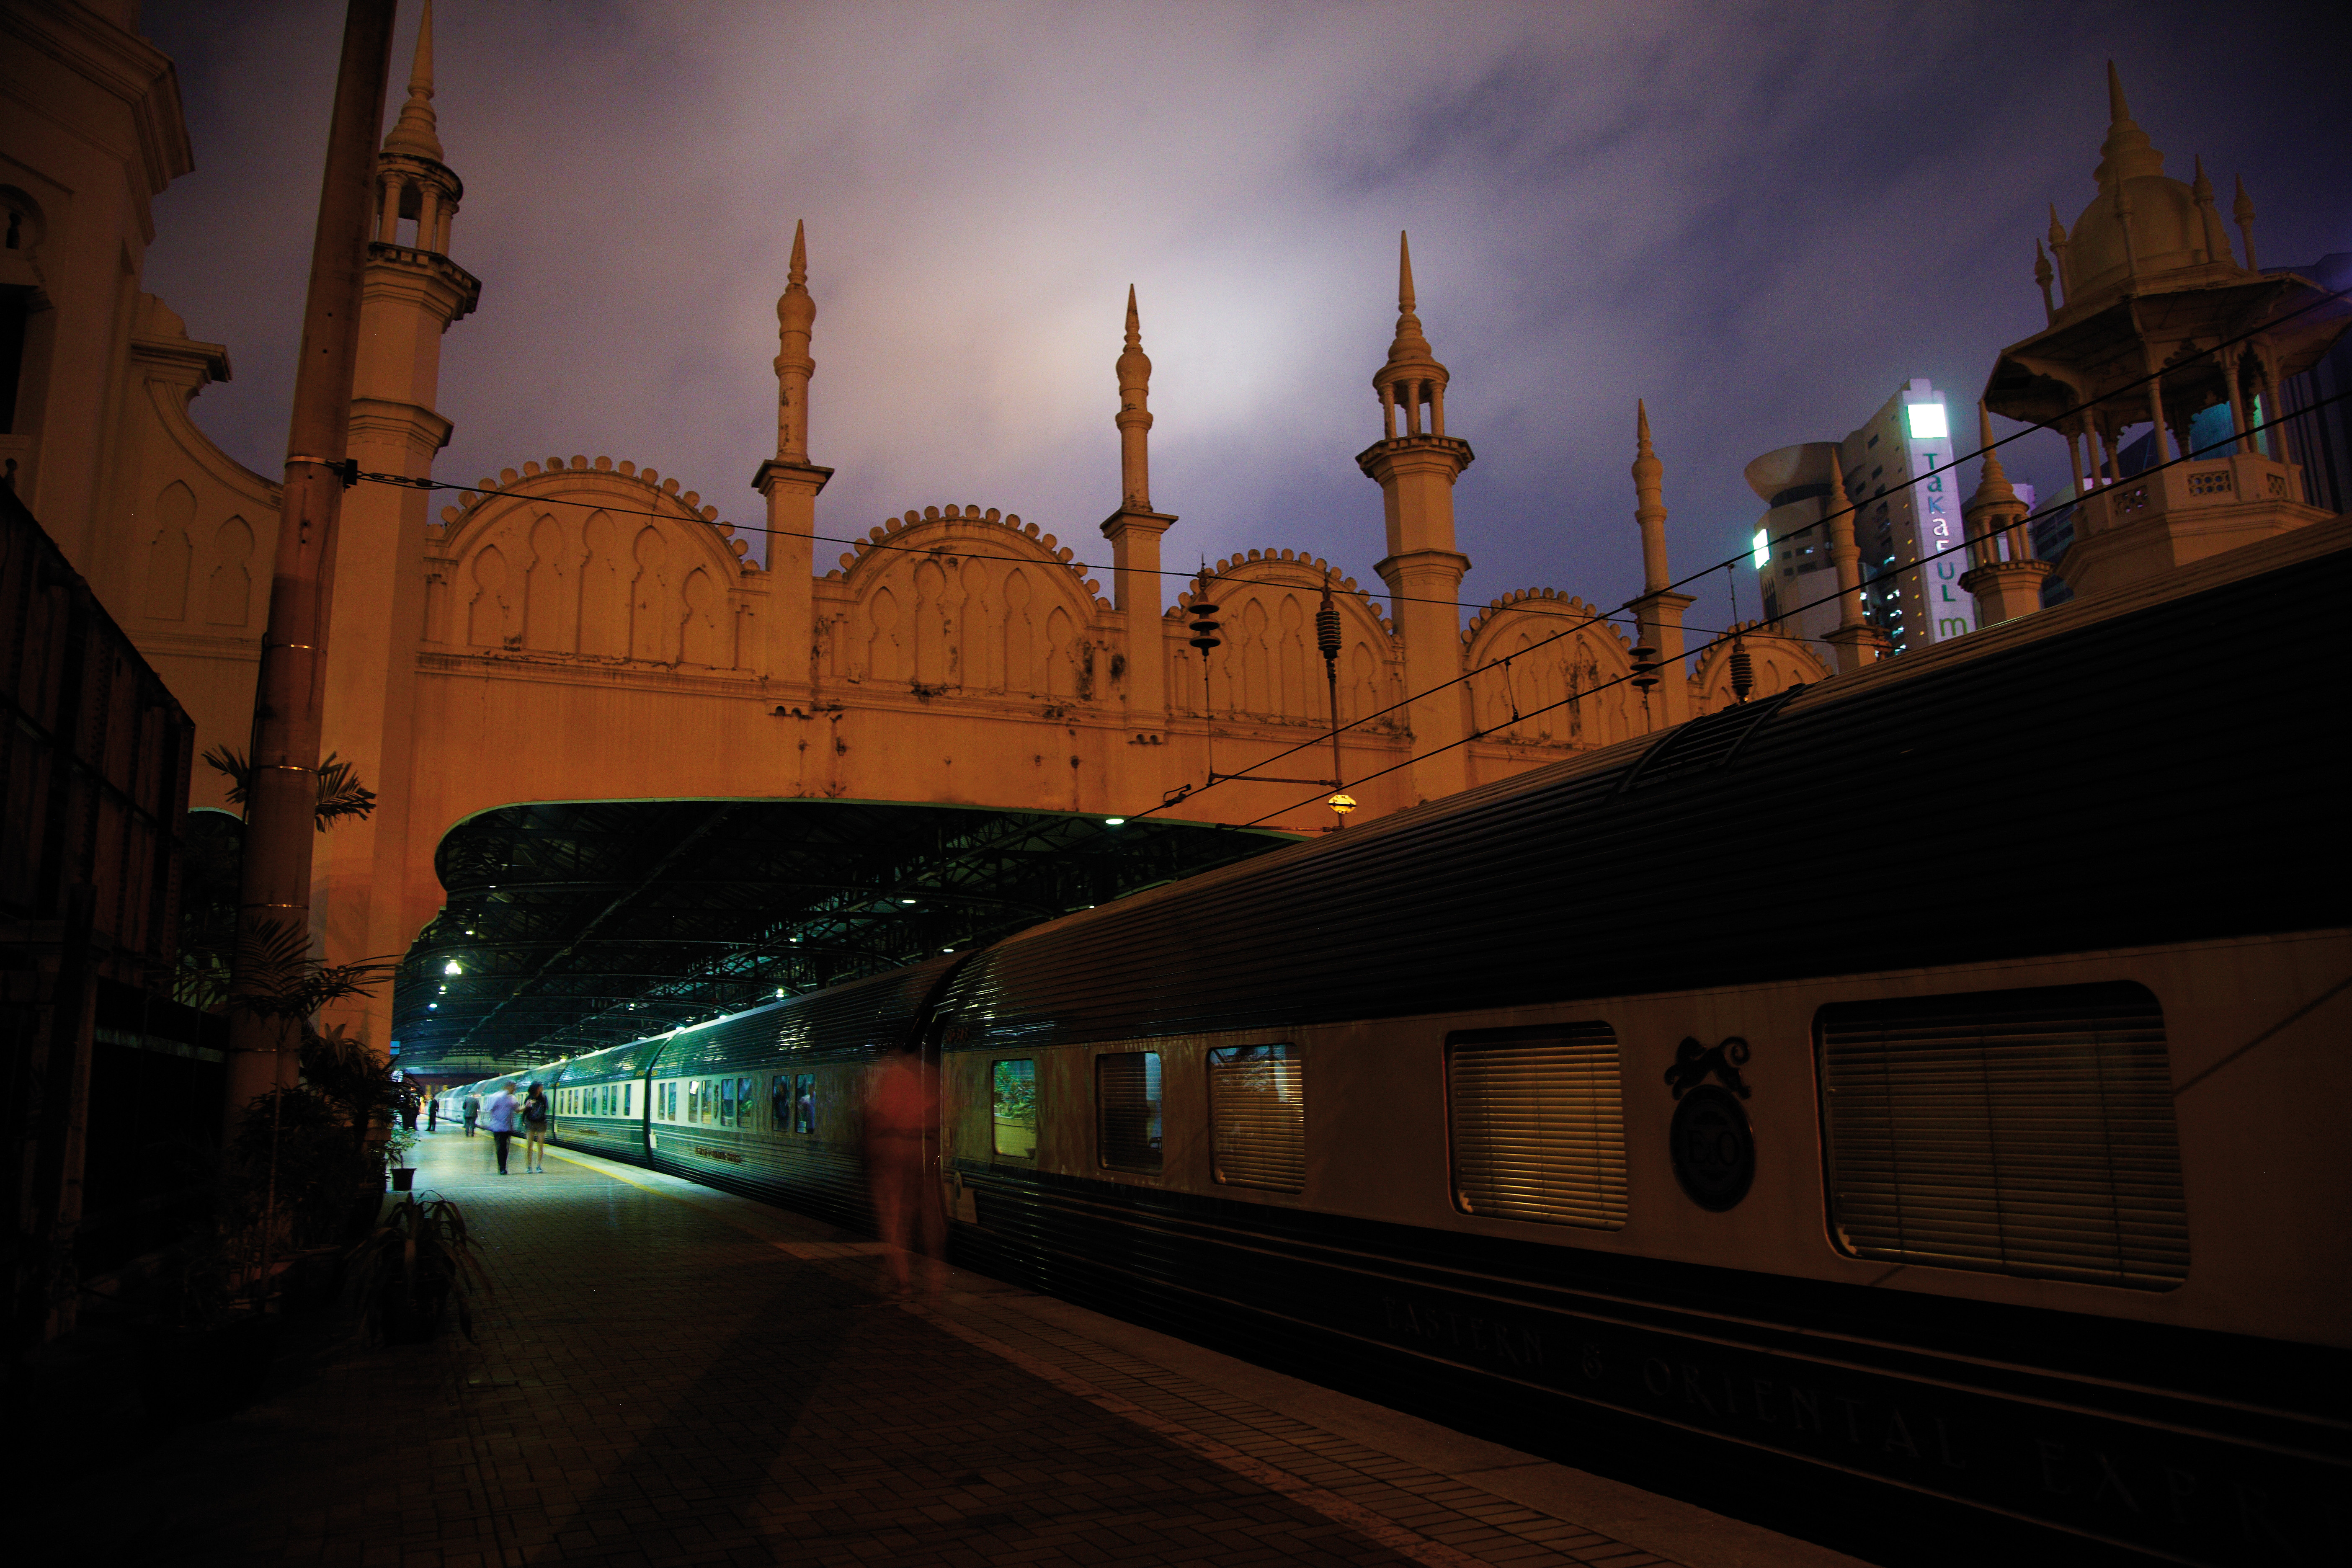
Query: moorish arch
1551, 670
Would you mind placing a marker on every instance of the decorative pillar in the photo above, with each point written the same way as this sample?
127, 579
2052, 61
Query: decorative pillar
1659, 613
1422, 569
411, 296
791, 484
1134, 531
2002, 572
1855, 641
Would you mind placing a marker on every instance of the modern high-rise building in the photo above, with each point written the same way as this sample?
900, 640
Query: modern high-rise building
1907, 499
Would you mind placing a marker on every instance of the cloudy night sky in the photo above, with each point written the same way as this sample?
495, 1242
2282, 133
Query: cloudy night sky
1762, 218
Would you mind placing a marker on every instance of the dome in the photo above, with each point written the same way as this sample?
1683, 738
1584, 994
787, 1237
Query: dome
2167, 231
2168, 228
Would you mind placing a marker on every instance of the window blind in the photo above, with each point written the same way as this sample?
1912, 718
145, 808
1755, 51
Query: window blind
1538, 1123
2023, 1132
1127, 1101
1257, 1117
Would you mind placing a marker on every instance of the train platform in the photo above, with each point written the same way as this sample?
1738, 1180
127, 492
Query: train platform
664, 1374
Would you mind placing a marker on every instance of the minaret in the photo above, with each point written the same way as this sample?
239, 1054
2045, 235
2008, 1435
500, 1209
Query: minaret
411, 295
1415, 471
1658, 611
2002, 572
1134, 531
1857, 642
791, 484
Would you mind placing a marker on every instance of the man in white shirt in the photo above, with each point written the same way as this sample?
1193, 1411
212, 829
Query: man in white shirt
499, 1116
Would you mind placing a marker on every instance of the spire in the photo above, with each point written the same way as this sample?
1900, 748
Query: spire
2042, 276
795, 317
417, 132
2127, 153
2214, 239
1411, 377
1649, 506
2241, 212
1993, 485
2058, 248
1134, 420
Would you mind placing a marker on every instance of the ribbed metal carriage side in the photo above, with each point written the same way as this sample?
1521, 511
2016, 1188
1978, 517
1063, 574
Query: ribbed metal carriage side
1583, 880
833, 1033
613, 1135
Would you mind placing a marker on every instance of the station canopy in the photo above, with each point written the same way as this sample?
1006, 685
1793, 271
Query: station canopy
577, 925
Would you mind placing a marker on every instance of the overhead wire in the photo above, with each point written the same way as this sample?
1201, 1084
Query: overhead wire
1965, 540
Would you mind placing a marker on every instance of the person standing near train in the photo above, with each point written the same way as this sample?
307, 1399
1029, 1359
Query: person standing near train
900, 1106
499, 1116
473, 1109
534, 1131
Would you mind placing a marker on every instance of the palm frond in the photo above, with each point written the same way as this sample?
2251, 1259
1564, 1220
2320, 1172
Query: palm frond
340, 793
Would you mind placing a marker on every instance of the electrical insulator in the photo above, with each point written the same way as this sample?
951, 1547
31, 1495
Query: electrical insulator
1205, 624
1743, 669
1326, 631
1646, 666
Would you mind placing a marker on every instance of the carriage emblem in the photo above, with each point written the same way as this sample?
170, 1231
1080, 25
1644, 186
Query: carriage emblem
1712, 1147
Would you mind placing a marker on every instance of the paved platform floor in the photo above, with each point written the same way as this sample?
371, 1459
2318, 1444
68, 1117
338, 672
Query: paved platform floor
669, 1374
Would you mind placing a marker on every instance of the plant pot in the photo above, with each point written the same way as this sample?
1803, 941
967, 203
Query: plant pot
404, 1179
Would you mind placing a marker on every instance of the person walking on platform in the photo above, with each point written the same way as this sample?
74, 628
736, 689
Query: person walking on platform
473, 1106
433, 1114
499, 1118
534, 1131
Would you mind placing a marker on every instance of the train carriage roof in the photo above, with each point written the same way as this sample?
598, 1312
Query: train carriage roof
874, 1014
612, 1065
2132, 769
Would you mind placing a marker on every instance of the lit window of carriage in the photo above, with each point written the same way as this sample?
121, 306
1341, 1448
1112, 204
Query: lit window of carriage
1538, 1123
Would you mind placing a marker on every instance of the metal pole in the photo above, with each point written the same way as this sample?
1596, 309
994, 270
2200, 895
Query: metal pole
281, 795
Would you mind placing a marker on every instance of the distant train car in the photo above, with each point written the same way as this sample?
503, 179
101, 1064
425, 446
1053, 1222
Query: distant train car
1895, 1110
599, 1101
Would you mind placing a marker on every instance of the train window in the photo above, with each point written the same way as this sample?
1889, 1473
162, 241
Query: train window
747, 1103
1257, 1117
1013, 1109
804, 1103
628, 1100
779, 1102
1538, 1128
725, 1102
2013, 1132
693, 1100
1126, 1108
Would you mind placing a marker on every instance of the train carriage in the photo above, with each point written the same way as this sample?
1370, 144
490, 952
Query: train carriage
598, 1101
770, 1103
1635, 1110
1622, 1109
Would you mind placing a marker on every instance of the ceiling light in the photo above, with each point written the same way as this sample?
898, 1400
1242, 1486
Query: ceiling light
451, 968
906, 901
1113, 821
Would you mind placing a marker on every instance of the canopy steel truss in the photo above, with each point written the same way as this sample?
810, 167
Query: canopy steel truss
578, 925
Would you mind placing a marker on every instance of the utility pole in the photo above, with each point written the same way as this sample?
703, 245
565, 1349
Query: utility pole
281, 793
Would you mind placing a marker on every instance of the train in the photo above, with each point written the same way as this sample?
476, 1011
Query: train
1893, 1110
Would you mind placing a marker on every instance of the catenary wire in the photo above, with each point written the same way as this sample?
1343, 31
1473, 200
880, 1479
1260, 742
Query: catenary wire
1618, 681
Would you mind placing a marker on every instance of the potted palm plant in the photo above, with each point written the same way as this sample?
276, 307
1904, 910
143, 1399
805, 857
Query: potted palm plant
396, 1147
404, 1277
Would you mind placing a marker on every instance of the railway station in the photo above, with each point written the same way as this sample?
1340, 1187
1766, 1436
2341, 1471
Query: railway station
544, 1024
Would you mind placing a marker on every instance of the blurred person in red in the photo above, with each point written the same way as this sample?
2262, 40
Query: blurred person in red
900, 1104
